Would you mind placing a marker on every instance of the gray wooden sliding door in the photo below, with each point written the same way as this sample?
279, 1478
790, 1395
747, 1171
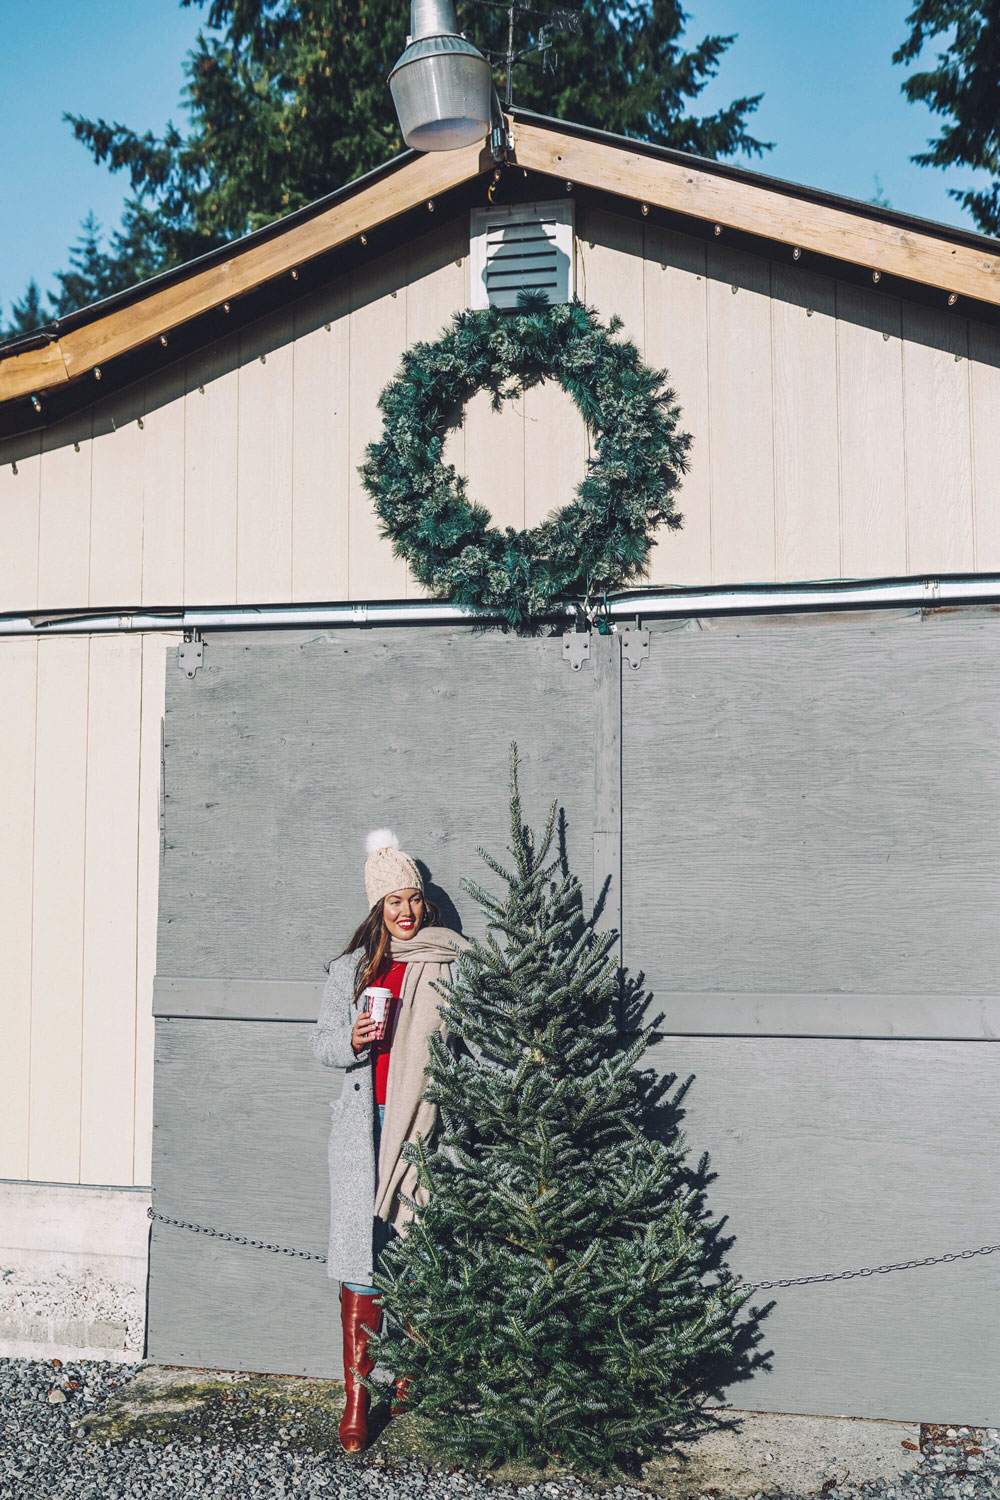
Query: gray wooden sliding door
279, 756
797, 818
811, 883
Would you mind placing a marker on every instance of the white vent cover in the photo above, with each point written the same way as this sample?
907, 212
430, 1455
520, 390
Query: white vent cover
521, 247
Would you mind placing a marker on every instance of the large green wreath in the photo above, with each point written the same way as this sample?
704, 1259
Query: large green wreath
601, 539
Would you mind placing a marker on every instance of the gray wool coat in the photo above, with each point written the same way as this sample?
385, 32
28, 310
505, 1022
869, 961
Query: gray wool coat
351, 1152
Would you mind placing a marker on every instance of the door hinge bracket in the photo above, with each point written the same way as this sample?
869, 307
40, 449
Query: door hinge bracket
191, 653
635, 644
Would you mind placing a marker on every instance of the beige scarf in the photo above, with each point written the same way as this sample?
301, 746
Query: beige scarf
428, 956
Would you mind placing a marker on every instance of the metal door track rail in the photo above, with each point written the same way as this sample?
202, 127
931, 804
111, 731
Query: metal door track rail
915, 592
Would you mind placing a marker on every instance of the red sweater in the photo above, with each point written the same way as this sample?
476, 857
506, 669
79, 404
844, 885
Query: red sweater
389, 979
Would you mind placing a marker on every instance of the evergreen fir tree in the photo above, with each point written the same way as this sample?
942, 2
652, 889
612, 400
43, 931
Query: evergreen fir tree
93, 273
285, 102
561, 1295
26, 315
962, 85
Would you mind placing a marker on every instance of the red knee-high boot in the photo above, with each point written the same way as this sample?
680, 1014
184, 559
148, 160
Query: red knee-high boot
357, 1308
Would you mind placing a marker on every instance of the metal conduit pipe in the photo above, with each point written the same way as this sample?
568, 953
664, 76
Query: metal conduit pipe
650, 604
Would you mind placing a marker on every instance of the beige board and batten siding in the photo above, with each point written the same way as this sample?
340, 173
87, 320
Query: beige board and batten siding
837, 433
79, 829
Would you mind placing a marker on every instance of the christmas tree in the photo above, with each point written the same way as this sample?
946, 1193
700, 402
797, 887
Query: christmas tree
555, 1299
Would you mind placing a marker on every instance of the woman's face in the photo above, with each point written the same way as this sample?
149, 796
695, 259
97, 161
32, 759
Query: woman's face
403, 912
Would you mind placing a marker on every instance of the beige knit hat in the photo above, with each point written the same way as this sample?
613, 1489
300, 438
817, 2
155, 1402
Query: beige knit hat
387, 868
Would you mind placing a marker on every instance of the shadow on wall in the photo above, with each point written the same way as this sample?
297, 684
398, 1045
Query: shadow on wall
661, 1119
523, 256
440, 897
661, 1116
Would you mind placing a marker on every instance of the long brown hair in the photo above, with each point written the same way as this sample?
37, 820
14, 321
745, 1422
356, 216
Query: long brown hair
376, 940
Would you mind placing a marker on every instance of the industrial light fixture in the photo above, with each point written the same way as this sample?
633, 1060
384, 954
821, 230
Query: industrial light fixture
441, 87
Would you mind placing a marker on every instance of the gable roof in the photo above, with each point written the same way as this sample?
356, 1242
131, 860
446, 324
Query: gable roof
713, 196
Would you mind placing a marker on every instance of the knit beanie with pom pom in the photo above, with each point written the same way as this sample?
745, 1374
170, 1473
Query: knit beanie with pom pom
387, 868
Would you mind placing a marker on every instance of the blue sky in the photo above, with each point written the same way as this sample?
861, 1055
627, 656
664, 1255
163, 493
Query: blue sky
832, 106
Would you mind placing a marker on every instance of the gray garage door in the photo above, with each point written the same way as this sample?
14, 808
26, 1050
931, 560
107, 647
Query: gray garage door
802, 813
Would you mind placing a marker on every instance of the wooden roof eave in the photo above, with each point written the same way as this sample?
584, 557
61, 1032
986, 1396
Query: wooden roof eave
957, 266
753, 208
89, 345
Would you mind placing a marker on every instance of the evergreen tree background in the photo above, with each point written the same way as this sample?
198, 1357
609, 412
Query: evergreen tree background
563, 1295
286, 101
963, 85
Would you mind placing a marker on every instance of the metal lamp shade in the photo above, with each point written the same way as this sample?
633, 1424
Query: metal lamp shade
441, 90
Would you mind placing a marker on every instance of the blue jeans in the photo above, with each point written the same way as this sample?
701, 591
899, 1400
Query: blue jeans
382, 1232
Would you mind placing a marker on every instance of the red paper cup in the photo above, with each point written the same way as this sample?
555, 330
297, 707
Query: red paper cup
377, 1004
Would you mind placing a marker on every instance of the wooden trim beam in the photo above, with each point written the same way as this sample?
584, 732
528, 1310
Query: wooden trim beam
82, 349
962, 1018
686, 189
832, 232
237, 999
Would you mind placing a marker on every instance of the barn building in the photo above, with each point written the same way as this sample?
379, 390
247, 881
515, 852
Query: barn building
216, 677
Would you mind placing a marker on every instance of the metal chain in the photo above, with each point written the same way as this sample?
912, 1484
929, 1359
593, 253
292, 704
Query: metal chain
234, 1239
899, 1265
751, 1286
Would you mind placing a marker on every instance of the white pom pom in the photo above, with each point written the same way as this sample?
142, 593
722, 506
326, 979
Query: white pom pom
381, 838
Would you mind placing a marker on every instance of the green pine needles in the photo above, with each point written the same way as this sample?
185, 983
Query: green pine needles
602, 539
562, 1294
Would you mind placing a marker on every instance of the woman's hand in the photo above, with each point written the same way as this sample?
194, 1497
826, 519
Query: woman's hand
364, 1031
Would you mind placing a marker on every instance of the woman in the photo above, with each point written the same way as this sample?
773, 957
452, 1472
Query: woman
401, 947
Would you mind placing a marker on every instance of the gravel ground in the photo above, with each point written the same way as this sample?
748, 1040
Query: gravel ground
40, 1460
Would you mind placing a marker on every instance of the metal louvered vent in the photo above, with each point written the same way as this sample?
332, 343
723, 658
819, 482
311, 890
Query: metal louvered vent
521, 247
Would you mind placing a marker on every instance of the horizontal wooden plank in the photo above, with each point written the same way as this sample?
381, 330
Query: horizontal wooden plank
237, 999
889, 1017
766, 211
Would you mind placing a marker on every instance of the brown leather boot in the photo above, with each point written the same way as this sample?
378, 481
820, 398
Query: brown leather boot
357, 1308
